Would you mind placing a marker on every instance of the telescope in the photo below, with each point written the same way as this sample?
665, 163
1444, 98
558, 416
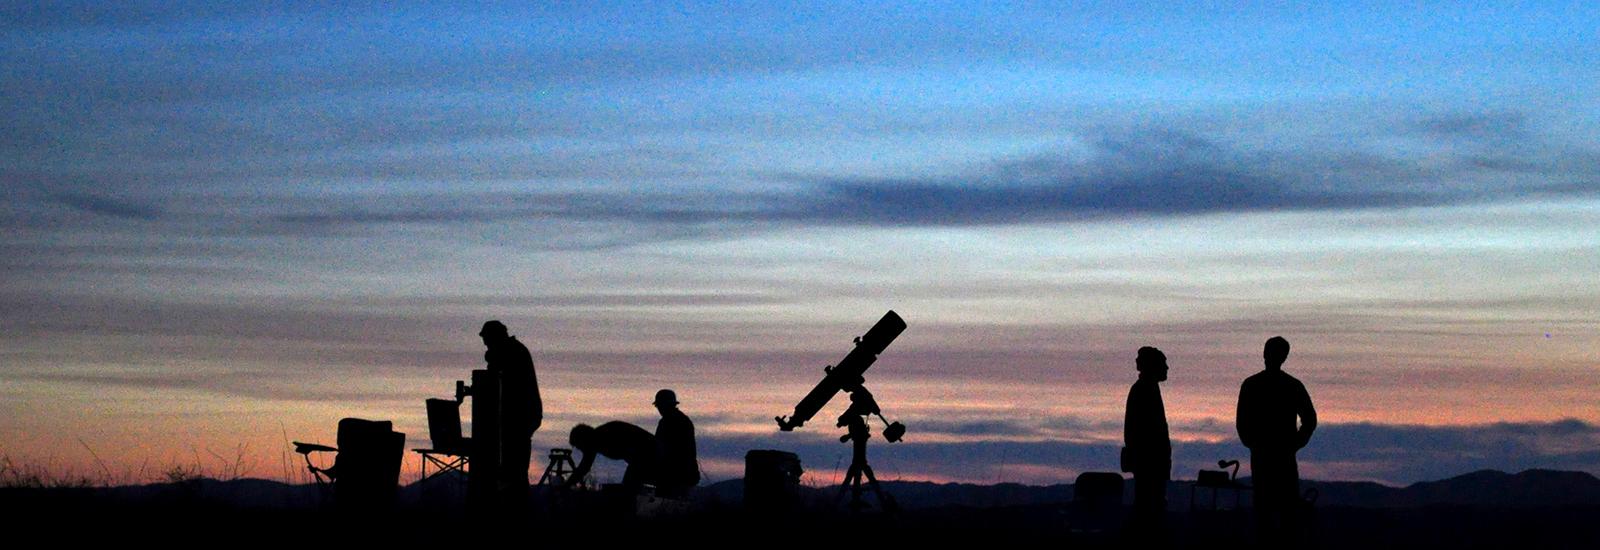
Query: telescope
848, 376
863, 404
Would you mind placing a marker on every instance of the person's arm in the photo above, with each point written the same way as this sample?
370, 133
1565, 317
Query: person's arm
1128, 459
688, 429
582, 470
1308, 417
1244, 417
1130, 420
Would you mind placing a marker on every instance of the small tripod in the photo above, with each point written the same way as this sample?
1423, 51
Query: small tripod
560, 469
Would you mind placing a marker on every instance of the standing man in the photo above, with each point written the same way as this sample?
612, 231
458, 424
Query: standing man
1275, 420
1148, 450
680, 469
521, 410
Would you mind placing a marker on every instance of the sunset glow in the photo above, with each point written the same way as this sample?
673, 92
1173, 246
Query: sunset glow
227, 228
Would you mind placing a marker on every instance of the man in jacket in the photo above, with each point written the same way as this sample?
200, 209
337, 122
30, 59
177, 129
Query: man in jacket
521, 410
679, 467
1275, 420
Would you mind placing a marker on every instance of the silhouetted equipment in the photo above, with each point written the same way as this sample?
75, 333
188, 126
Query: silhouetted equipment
560, 469
857, 433
305, 450
366, 469
308, 448
848, 374
450, 452
1097, 502
1218, 481
625, 501
651, 504
484, 445
772, 482
444, 426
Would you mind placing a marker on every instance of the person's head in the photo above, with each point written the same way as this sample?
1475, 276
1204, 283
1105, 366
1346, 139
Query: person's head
666, 400
493, 332
1151, 364
582, 437
1276, 352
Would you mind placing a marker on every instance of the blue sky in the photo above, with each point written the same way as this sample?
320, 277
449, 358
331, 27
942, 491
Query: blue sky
228, 216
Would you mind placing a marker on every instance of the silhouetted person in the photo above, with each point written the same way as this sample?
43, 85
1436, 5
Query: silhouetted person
1270, 404
521, 410
616, 440
679, 467
1148, 449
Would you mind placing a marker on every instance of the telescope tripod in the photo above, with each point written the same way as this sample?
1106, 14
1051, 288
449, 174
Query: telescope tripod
852, 483
857, 437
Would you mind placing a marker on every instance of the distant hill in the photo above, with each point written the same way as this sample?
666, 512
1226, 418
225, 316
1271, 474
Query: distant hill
1529, 489
1487, 489
921, 494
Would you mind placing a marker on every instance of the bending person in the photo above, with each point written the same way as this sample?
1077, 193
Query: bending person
616, 440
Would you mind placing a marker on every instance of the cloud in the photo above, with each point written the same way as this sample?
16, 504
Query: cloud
991, 428
1173, 172
107, 206
1496, 125
1134, 173
232, 385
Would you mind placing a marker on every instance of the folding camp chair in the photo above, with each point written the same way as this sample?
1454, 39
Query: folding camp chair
450, 452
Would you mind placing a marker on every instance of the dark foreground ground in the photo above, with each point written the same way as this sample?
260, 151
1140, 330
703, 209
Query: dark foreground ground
176, 518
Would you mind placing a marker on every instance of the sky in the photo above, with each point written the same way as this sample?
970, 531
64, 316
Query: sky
229, 225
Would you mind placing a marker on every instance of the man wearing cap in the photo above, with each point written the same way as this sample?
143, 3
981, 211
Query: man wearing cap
679, 468
521, 411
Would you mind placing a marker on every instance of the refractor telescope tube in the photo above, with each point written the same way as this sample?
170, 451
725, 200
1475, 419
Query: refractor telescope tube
848, 374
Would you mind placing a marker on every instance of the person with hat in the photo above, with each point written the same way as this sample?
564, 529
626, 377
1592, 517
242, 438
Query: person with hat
679, 467
521, 410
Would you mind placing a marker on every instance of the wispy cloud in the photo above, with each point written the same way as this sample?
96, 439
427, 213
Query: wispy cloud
1140, 173
108, 206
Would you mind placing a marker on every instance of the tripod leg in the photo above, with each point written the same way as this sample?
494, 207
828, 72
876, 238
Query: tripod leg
856, 504
851, 475
883, 498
